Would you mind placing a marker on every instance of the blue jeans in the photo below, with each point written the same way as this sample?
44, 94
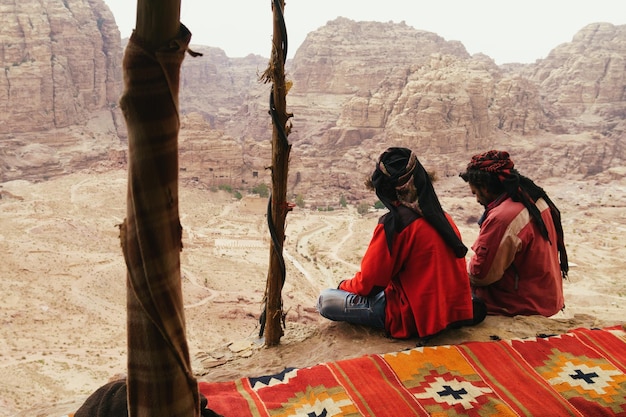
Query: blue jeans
340, 305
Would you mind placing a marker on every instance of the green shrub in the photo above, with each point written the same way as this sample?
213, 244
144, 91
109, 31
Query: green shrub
225, 187
300, 201
262, 190
362, 208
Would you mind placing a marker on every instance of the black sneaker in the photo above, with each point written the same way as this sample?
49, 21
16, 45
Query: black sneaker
480, 310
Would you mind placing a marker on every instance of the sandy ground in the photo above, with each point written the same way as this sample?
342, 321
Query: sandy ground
62, 309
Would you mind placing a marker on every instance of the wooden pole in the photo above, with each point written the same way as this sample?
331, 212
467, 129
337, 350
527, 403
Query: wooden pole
160, 380
280, 167
157, 21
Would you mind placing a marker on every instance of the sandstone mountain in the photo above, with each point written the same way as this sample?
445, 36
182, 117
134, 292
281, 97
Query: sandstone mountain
358, 87
61, 63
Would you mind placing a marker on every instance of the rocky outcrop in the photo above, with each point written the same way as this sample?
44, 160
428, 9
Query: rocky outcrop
357, 87
61, 62
226, 91
444, 104
340, 97
437, 89
583, 95
348, 56
585, 77
62, 70
213, 159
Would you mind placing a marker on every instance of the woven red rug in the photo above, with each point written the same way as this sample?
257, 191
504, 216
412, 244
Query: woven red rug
579, 373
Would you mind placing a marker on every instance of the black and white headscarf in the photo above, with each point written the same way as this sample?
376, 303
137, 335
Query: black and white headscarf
399, 178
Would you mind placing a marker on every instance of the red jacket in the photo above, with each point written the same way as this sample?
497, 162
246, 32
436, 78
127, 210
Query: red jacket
426, 286
534, 285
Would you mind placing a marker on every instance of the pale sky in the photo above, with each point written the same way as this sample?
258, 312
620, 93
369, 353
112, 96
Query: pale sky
505, 30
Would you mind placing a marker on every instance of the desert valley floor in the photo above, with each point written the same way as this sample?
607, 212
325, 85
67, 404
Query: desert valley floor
63, 282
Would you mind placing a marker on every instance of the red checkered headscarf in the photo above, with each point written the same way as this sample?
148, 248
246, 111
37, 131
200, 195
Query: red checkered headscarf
497, 162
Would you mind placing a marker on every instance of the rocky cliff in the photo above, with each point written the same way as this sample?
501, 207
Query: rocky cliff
62, 80
61, 62
358, 87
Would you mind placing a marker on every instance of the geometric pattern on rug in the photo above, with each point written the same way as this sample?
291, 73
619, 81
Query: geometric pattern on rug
579, 376
444, 382
579, 373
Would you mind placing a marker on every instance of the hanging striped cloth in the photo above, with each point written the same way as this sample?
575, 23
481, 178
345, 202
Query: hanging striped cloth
160, 379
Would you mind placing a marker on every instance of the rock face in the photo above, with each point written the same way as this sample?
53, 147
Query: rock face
361, 87
432, 96
225, 91
584, 82
438, 90
358, 87
61, 62
583, 97
62, 80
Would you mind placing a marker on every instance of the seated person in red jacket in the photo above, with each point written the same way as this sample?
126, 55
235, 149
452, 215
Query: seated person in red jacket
519, 259
413, 279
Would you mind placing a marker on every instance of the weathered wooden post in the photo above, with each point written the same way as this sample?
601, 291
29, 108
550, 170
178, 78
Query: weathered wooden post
272, 317
160, 380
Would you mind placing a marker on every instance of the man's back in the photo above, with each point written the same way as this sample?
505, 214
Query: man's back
515, 270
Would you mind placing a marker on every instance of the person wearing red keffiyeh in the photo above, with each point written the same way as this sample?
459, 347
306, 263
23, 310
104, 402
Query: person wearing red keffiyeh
519, 259
413, 280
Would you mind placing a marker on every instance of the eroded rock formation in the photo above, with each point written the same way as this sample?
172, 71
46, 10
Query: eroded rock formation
62, 80
61, 62
358, 87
